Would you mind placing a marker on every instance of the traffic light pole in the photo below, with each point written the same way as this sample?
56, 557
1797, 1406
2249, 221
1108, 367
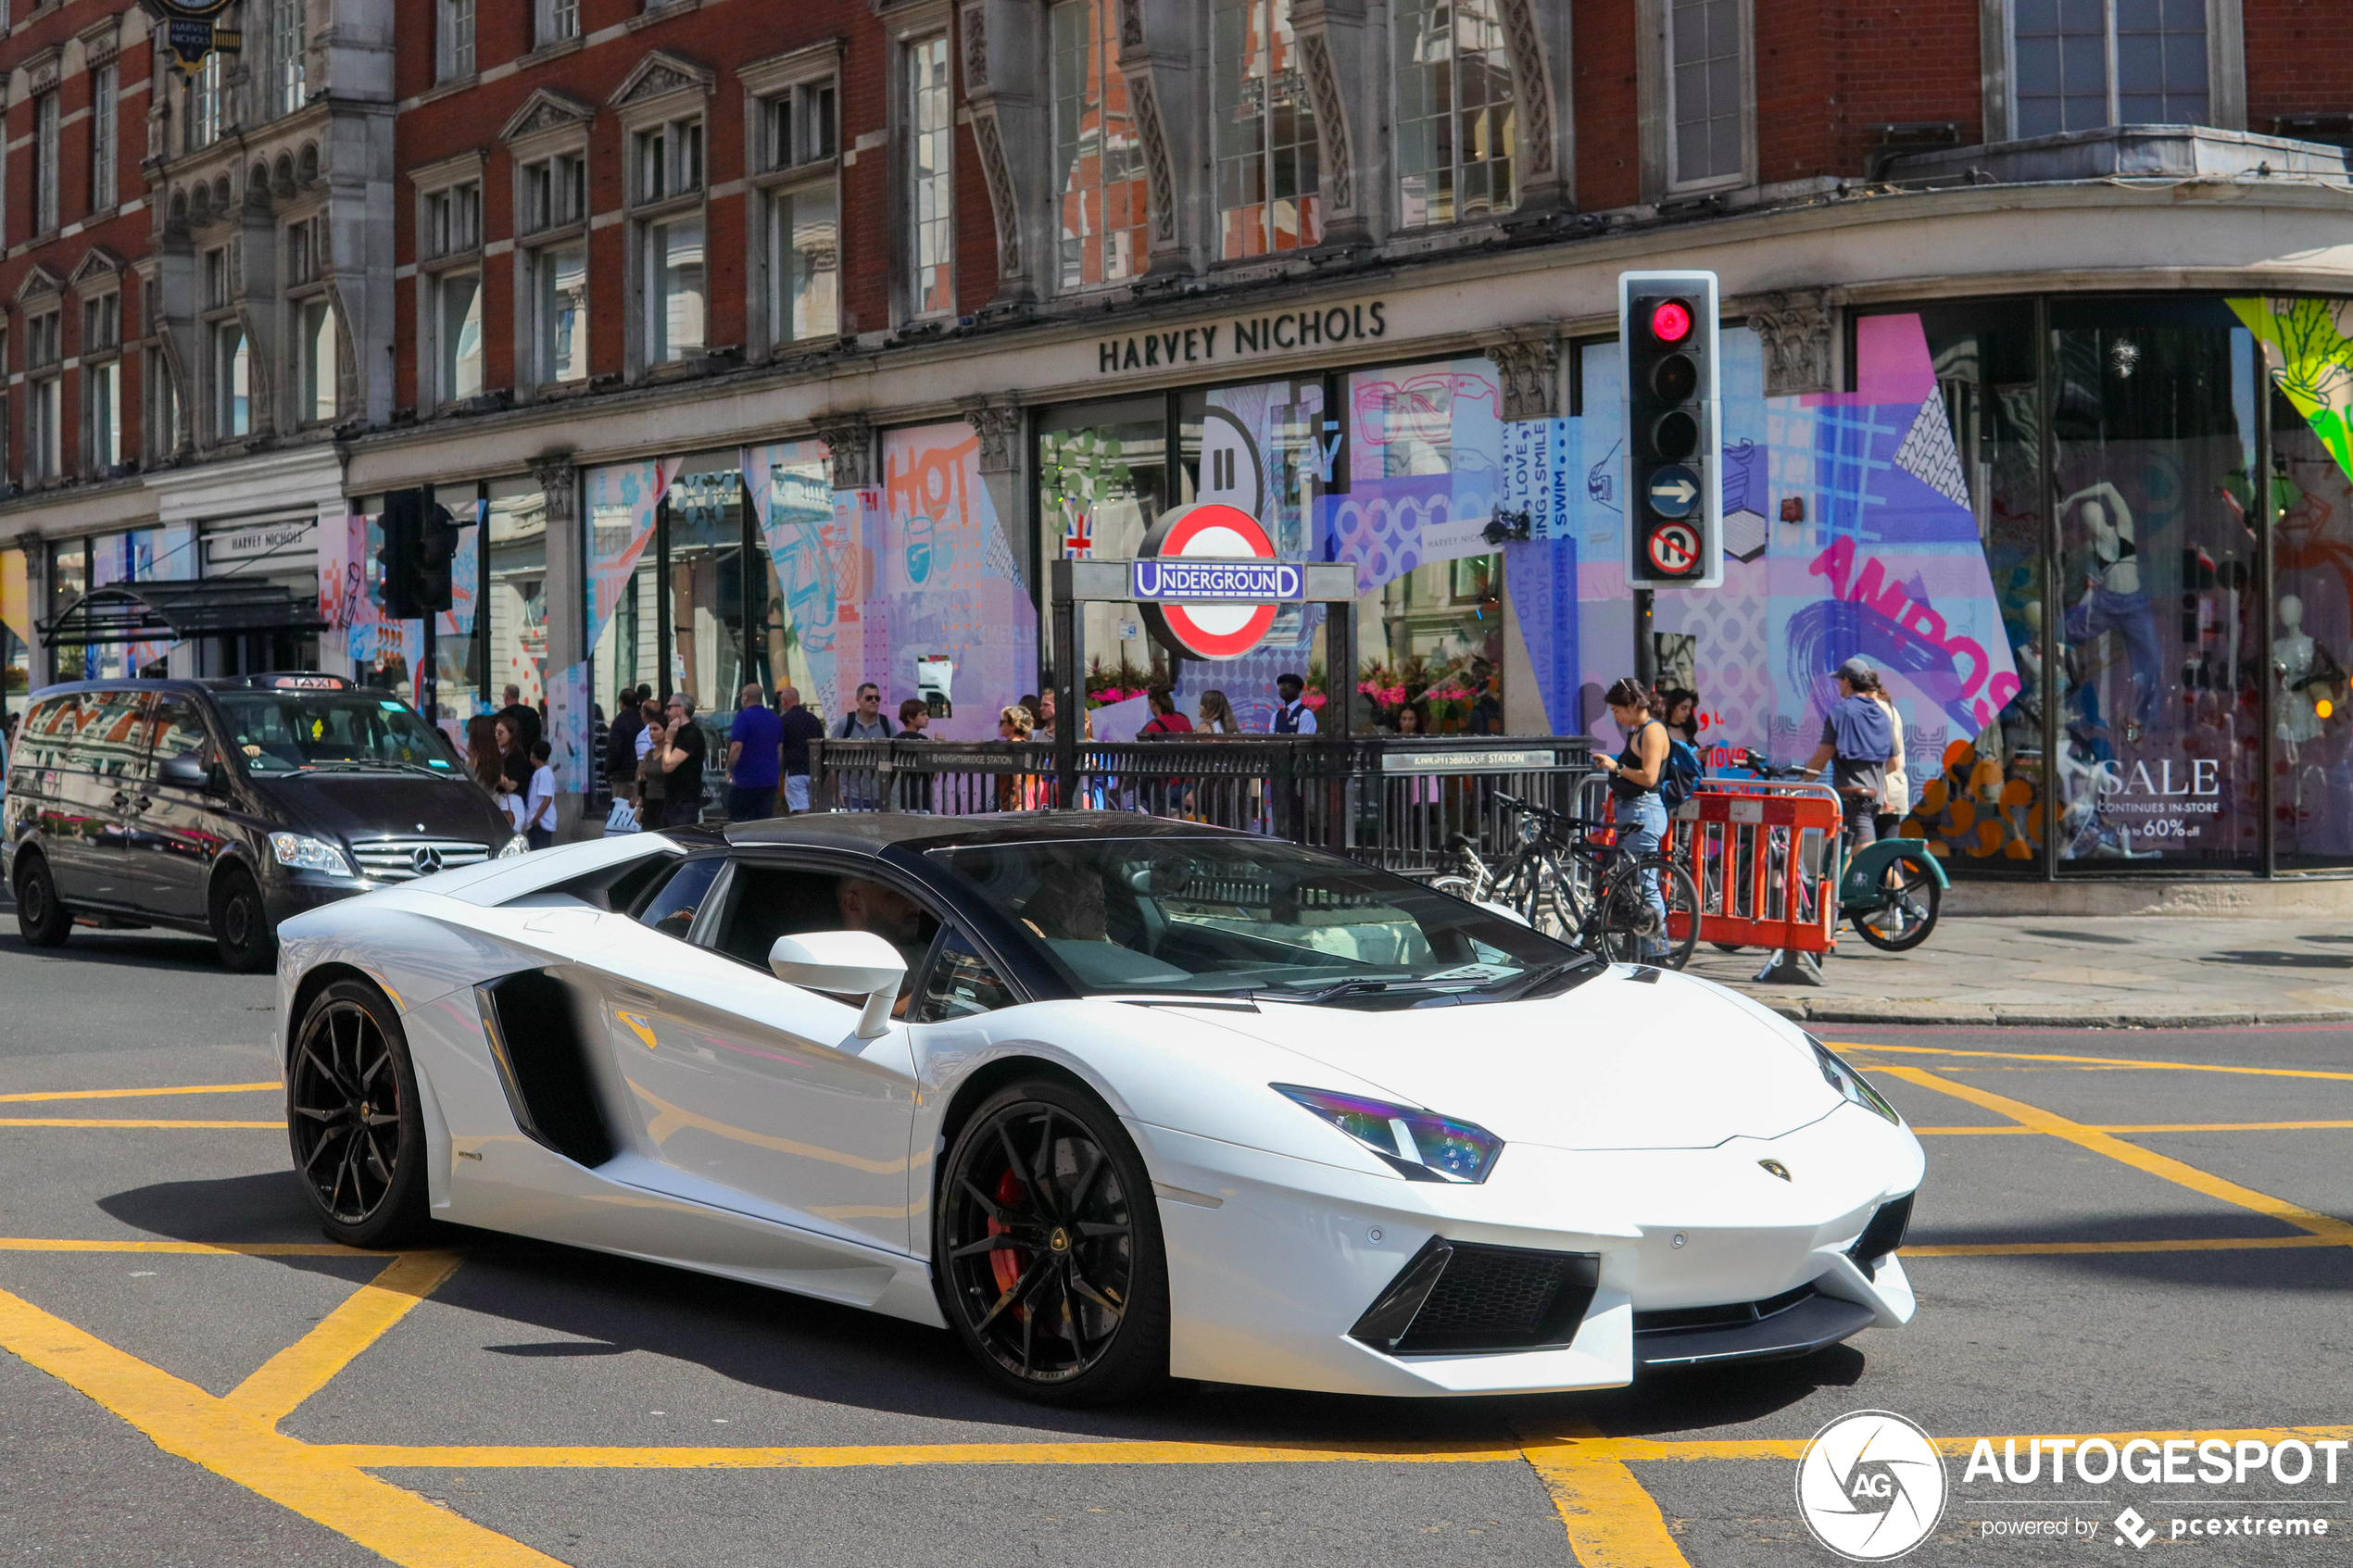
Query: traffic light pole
1645, 645
426, 677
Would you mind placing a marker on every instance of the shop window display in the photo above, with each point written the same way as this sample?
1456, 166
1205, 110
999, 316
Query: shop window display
517, 594
704, 557
2311, 645
2153, 424
798, 616
1978, 798
1104, 481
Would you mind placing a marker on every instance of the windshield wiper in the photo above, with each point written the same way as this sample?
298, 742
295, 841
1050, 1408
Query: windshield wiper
1513, 987
366, 764
1340, 989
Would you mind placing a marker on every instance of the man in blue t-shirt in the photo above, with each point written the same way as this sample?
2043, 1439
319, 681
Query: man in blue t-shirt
754, 744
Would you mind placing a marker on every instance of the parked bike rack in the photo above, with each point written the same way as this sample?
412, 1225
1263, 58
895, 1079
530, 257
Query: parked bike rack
1765, 855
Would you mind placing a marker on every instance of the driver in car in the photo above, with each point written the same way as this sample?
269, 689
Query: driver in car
894, 917
1068, 906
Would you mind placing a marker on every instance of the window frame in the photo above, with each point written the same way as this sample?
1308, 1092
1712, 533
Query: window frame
455, 41
549, 150
288, 28
48, 157
45, 390
100, 363
1310, 205
2225, 70
106, 142
1103, 14
308, 287
448, 196
548, 22
797, 82
1515, 156
907, 225
1654, 58
684, 107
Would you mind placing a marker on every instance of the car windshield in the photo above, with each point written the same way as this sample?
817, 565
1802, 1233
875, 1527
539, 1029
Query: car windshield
283, 732
1247, 916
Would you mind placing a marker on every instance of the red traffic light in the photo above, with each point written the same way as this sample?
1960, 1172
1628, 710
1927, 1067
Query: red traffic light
1671, 320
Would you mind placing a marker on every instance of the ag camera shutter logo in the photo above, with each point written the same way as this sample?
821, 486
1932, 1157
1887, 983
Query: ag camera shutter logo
1872, 1486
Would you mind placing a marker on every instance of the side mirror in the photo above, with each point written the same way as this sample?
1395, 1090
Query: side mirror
858, 962
187, 770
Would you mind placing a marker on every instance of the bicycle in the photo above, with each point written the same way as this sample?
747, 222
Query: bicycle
1570, 887
1890, 890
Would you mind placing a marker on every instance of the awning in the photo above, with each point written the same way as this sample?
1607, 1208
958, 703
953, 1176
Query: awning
147, 612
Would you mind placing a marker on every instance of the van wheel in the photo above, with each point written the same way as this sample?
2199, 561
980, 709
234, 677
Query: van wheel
41, 918
240, 926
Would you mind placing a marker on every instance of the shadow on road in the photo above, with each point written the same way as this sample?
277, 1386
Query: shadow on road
139, 949
766, 1339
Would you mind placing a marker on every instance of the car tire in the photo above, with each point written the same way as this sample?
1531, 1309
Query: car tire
42, 918
1047, 1252
361, 1161
241, 927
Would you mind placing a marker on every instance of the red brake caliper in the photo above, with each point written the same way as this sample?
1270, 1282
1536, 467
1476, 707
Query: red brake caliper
1003, 1263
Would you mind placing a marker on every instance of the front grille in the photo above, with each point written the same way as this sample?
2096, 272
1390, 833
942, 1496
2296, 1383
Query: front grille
1883, 1235
1738, 1314
395, 860
1457, 1296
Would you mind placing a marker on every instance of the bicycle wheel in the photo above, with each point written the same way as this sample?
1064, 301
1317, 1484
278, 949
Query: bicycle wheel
1632, 931
1456, 886
1904, 922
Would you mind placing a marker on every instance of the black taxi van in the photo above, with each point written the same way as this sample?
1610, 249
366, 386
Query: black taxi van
227, 806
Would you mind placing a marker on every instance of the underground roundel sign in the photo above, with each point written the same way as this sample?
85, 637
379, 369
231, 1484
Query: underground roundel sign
1220, 564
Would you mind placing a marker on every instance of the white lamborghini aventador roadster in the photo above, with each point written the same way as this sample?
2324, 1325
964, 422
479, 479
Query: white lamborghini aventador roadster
1113, 1098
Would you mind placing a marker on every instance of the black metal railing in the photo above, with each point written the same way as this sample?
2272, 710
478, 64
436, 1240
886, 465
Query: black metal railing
1387, 799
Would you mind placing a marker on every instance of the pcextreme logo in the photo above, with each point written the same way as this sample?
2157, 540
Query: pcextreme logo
1872, 1486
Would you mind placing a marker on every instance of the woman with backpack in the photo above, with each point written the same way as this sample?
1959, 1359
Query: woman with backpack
1858, 742
1635, 777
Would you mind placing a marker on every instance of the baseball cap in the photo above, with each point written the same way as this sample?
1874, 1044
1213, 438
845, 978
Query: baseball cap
1857, 669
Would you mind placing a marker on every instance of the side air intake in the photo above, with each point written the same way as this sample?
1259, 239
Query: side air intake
532, 1020
1460, 1298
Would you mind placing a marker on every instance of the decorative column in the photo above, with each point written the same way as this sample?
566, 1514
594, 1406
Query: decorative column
1536, 38
40, 670
565, 594
1003, 426
1339, 58
1170, 102
1528, 362
1003, 46
852, 450
1798, 329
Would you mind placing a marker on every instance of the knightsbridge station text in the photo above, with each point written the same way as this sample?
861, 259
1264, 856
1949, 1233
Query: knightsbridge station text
1245, 334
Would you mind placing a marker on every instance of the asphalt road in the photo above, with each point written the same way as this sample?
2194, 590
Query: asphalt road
170, 1404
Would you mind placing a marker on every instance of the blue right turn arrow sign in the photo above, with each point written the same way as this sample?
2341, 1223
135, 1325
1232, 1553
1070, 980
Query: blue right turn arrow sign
1674, 491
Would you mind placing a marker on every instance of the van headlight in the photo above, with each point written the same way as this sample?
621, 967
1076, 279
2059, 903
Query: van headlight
307, 854
518, 845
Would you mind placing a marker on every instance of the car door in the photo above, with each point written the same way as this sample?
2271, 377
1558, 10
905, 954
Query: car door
741, 1089
175, 826
91, 844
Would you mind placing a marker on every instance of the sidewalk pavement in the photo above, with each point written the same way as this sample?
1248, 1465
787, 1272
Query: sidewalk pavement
2146, 972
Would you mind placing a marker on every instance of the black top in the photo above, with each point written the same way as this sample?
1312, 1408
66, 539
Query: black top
1621, 787
800, 725
685, 781
620, 743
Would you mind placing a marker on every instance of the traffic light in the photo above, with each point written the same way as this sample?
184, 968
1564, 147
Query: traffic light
1674, 443
403, 525
413, 567
436, 547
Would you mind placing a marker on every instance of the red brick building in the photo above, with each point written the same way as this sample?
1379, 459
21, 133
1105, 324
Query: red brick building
569, 236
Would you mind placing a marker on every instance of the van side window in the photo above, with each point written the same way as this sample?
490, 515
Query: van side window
98, 732
36, 748
175, 728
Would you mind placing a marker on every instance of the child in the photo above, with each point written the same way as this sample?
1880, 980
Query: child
539, 804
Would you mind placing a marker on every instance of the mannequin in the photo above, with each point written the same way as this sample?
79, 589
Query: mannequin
2113, 600
2308, 673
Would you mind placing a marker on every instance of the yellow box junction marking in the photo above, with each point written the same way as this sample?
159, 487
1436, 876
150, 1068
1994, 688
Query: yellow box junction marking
185, 1421
2327, 1226
2139, 1127
124, 1121
220, 1248
142, 1094
2101, 1061
311, 1363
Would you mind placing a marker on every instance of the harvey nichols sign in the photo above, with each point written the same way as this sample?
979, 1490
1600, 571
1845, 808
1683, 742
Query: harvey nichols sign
1242, 335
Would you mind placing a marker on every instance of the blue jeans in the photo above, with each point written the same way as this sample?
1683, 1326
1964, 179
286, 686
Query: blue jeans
1642, 824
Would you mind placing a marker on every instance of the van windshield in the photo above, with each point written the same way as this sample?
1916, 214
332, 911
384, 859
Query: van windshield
284, 732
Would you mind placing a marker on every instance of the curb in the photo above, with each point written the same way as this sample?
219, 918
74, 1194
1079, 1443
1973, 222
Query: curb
1984, 1015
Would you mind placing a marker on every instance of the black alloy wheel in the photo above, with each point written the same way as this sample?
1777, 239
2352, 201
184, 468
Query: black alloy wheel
241, 927
351, 1116
1912, 896
1046, 1245
42, 921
